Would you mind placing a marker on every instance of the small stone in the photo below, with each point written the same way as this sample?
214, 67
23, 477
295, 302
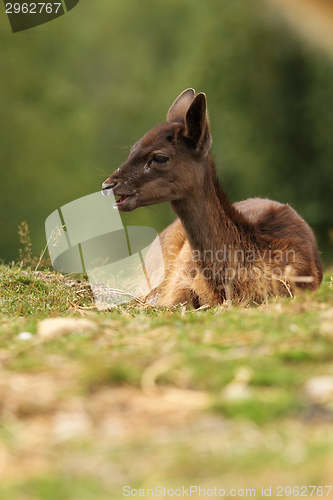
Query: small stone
319, 389
56, 327
69, 425
24, 336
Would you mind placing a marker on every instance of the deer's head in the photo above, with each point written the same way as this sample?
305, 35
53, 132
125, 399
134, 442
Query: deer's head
167, 163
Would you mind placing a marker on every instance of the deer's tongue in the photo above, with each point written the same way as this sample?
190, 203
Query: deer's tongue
122, 198
124, 202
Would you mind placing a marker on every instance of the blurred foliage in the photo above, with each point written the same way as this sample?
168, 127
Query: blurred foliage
77, 92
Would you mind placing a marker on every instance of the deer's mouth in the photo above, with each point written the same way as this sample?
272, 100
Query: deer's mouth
125, 203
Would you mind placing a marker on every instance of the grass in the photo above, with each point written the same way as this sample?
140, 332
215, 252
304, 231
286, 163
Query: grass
147, 397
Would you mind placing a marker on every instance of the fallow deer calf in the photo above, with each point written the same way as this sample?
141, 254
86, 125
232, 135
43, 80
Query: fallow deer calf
215, 250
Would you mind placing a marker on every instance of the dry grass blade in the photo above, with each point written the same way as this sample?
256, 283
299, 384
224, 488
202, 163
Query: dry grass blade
162, 365
25, 251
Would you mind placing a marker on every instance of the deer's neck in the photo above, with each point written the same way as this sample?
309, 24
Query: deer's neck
211, 223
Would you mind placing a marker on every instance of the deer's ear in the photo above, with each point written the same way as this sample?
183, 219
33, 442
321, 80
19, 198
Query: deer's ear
197, 124
178, 110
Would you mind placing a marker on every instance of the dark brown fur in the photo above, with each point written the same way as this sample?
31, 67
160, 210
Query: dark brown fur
215, 250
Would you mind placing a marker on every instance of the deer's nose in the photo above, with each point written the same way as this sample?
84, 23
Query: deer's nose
107, 185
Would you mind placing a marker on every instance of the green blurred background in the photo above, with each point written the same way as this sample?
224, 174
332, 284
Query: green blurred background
77, 92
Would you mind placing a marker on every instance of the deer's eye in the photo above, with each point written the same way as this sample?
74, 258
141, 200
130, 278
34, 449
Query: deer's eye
160, 158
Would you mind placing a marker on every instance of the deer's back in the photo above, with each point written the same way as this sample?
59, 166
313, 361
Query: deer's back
255, 209
273, 226
280, 227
